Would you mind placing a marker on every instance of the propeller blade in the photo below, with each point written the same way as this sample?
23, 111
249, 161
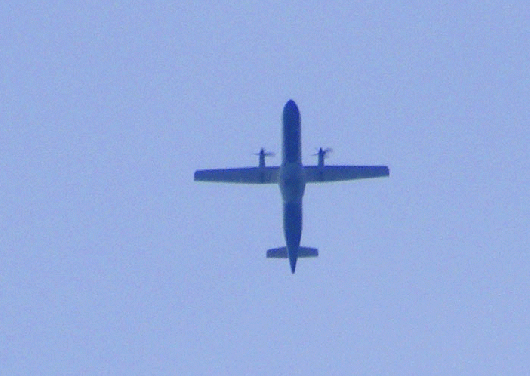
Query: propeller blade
323, 152
265, 153
262, 155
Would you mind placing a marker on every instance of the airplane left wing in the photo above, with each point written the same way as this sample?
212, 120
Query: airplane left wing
246, 175
317, 174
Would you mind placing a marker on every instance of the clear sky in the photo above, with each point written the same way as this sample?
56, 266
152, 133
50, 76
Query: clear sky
114, 262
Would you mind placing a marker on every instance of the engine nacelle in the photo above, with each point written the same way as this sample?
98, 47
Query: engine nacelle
322, 154
262, 155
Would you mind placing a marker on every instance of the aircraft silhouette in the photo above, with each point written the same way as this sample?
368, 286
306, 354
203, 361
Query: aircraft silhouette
292, 177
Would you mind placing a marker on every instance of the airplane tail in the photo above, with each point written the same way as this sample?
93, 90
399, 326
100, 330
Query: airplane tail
307, 252
281, 252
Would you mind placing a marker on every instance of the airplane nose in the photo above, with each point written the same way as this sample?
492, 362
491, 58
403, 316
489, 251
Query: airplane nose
291, 115
290, 106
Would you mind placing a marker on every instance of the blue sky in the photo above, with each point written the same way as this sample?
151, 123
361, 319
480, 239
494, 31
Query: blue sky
113, 261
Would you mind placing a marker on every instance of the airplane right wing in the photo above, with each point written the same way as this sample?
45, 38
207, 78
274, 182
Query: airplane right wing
246, 175
318, 174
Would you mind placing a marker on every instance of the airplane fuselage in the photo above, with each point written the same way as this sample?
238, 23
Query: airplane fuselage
291, 180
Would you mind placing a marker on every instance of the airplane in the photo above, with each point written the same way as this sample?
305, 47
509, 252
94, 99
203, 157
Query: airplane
292, 177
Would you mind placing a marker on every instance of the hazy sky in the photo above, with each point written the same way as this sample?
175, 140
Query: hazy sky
114, 262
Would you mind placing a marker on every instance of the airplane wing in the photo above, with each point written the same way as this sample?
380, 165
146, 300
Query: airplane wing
318, 174
246, 175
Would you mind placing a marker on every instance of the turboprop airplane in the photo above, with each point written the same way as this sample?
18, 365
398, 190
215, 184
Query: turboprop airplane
292, 177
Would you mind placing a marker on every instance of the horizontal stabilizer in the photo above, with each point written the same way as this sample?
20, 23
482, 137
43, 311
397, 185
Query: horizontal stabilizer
277, 253
282, 252
307, 252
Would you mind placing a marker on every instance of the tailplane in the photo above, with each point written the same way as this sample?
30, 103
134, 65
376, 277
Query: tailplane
282, 252
277, 253
307, 252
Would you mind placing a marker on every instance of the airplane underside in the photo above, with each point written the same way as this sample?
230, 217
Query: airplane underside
291, 176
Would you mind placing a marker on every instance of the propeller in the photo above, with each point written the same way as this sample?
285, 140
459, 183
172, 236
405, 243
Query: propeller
262, 154
265, 153
322, 153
